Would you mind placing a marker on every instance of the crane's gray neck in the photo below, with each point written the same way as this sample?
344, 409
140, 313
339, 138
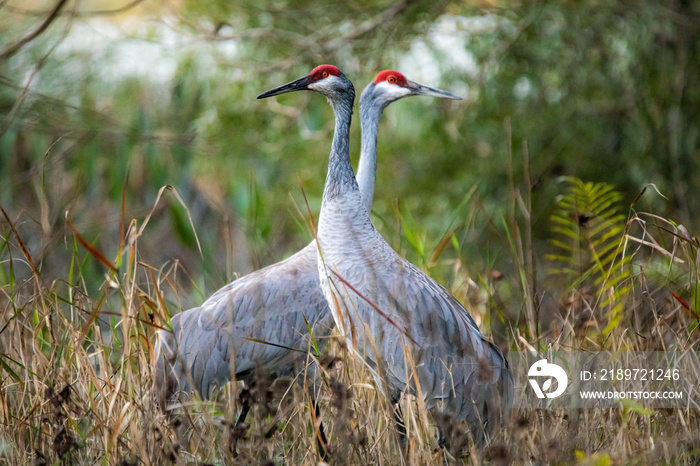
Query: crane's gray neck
370, 111
340, 178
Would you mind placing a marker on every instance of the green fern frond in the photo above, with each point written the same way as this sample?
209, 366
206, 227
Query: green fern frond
588, 242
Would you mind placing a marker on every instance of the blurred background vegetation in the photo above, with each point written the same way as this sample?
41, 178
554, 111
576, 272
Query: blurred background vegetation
102, 98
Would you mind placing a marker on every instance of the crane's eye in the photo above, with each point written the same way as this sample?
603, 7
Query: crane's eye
391, 80
324, 74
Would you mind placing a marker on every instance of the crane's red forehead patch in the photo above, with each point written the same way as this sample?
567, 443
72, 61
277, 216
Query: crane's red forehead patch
317, 72
391, 76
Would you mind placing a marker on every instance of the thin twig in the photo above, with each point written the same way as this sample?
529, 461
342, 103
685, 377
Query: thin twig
79, 14
53, 14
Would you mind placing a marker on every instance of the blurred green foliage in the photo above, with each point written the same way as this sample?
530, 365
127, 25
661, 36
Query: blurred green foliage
607, 92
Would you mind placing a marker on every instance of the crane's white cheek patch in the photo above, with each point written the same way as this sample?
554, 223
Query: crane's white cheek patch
325, 84
392, 90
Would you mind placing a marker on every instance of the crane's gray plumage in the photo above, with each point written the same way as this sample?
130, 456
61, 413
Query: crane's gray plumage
268, 305
459, 372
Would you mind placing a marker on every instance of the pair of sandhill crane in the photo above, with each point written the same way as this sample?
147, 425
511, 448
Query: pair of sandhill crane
413, 334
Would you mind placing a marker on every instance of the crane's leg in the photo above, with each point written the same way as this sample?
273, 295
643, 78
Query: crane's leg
443, 442
314, 379
238, 430
398, 418
321, 440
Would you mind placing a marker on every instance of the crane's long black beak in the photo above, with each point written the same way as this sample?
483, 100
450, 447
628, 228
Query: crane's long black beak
419, 89
296, 85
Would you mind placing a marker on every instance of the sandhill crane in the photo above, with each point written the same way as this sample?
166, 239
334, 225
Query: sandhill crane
268, 305
388, 309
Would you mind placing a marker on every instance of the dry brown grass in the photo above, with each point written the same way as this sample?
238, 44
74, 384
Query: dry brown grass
77, 386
